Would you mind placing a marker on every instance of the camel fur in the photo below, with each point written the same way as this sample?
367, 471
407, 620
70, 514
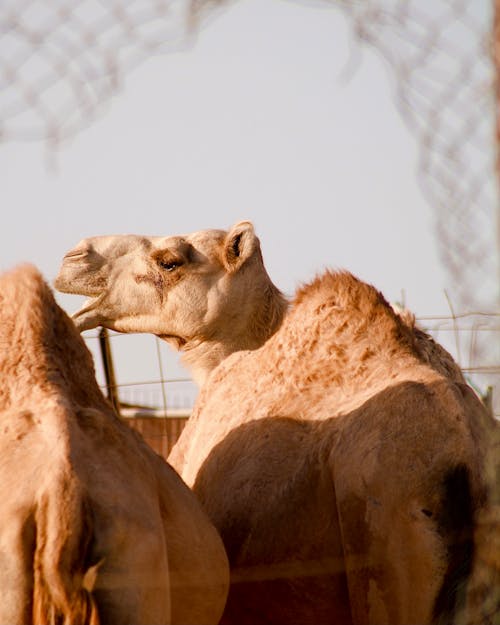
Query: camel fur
340, 457
95, 527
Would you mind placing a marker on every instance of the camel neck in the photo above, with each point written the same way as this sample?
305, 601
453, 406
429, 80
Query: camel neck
203, 354
201, 357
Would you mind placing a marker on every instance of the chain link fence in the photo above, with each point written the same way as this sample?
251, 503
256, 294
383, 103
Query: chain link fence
441, 57
62, 60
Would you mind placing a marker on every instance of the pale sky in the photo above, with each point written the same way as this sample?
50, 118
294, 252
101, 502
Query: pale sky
253, 122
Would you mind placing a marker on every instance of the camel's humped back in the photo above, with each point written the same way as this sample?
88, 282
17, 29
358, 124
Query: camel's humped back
340, 334
40, 348
368, 318
340, 343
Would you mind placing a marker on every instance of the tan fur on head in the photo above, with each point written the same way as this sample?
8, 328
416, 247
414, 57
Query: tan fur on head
207, 293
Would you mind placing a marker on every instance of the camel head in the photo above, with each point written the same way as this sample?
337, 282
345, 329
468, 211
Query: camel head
207, 293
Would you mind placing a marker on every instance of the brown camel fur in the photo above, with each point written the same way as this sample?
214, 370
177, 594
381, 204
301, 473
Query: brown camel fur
95, 527
482, 605
341, 461
342, 464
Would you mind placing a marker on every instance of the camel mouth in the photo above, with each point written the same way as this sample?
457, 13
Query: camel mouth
88, 317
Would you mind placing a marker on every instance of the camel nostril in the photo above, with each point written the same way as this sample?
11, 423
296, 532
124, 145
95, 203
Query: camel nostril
76, 253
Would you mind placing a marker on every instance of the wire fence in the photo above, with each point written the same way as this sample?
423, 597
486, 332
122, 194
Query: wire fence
171, 396
440, 53
62, 60
156, 392
460, 335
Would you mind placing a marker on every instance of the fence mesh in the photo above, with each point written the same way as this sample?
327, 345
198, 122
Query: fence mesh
61, 60
441, 56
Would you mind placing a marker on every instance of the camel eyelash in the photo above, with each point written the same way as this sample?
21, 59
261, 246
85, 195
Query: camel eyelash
169, 265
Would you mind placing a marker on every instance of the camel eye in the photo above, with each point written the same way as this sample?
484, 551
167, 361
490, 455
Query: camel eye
169, 265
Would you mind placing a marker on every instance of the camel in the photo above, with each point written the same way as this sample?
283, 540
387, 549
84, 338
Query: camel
95, 527
335, 446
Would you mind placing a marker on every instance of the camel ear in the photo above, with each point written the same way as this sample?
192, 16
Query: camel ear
239, 245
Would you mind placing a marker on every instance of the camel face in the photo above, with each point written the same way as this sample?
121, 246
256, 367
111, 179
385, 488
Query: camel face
145, 272
198, 289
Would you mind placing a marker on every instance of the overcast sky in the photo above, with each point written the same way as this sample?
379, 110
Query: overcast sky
253, 122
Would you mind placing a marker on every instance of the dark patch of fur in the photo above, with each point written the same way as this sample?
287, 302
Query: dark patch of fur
154, 278
456, 524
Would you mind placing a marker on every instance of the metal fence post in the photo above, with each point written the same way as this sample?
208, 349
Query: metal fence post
109, 371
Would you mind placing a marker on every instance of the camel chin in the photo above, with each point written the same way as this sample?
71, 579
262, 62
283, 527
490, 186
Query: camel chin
87, 318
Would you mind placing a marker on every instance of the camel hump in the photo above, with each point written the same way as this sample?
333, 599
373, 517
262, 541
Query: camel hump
23, 283
64, 531
29, 310
43, 343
